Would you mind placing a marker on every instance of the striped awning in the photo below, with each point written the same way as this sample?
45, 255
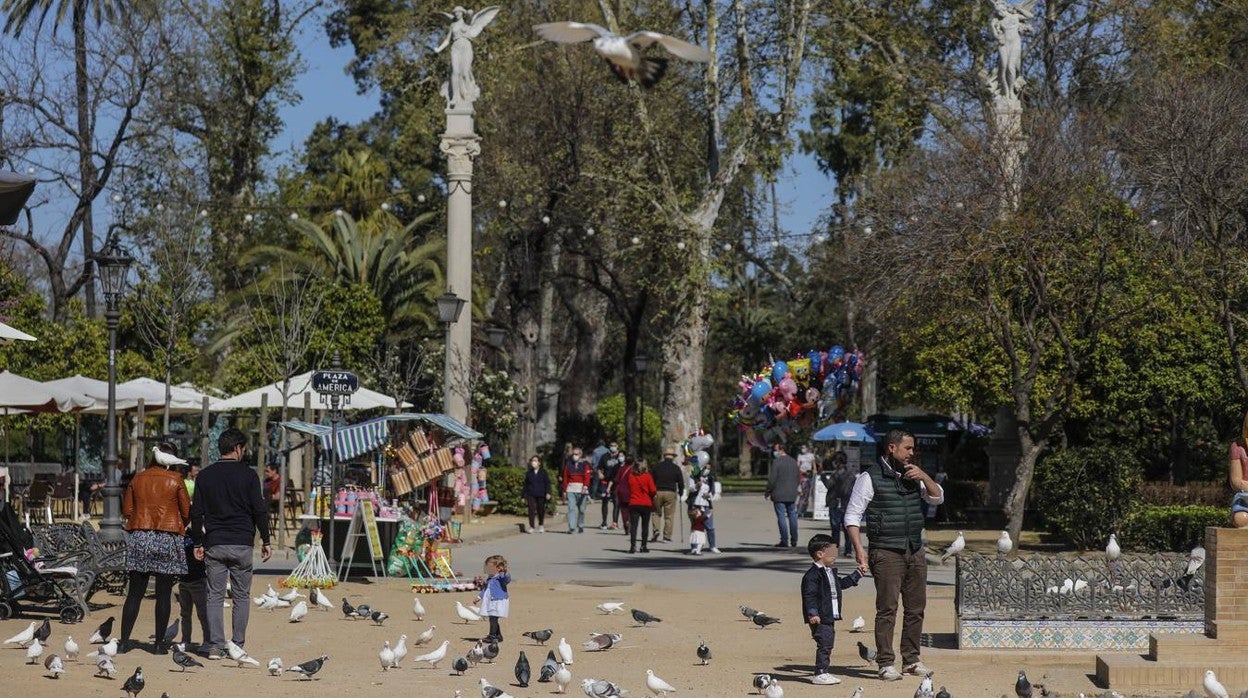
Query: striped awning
355, 440
447, 424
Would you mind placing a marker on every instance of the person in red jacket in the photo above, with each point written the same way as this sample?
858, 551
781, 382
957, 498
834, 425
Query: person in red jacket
641, 492
577, 473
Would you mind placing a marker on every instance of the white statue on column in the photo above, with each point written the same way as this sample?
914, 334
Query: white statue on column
461, 89
1008, 26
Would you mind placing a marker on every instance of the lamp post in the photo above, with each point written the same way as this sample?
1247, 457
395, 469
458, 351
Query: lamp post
641, 362
449, 308
114, 264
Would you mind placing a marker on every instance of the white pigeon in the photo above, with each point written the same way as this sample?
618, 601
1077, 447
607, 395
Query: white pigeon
954, 548
465, 614
281, 603
418, 608
290, 596
488, 691
925, 689
104, 665
71, 648
166, 459
322, 601
34, 652
1195, 559
1080, 585
858, 624
1004, 544
425, 636
238, 654
400, 651
386, 656
54, 665
1067, 586
1112, 551
298, 612
565, 651
435, 656
773, 690
857, 693
271, 592
275, 666
476, 654
658, 686
562, 678
108, 649
610, 607
623, 53
23, 638
1213, 687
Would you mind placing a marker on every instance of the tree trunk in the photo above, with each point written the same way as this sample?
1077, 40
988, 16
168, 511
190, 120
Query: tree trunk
523, 369
86, 147
1016, 501
684, 359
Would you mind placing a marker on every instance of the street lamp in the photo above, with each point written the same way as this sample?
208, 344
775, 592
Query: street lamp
449, 308
641, 362
496, 335
114, 264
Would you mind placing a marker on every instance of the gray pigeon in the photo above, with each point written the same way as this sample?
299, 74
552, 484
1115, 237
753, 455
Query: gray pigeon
522, 670
364, 611
598, 688
460, 665
539, 636
644, 618
761, 681
600, 641
43, 632
171, 633
184, 660
1022, 687
348, 611
489, 652
310, 668
867, 654
704, 652
549, 667
942, 693
134, 685
748, 612
379, 617
763, 620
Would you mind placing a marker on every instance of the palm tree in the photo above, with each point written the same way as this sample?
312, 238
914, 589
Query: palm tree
18, 14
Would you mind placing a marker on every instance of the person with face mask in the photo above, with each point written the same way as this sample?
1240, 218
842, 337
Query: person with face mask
536, 492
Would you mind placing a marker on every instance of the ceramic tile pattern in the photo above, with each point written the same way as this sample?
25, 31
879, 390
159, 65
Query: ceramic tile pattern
1066, 634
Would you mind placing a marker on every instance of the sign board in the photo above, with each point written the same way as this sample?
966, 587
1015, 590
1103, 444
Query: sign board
335, 382
370, 528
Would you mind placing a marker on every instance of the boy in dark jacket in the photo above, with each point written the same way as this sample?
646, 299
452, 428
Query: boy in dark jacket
193, 597
821, 602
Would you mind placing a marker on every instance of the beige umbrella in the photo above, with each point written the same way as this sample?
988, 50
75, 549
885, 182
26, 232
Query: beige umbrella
9, 334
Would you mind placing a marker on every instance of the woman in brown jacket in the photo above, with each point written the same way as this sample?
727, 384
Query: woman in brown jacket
157, 511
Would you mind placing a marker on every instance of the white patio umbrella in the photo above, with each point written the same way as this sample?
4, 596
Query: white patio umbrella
9, 334
181, 400
364, 399
21, 393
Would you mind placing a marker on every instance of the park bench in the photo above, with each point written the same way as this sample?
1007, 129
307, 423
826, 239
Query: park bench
81, 543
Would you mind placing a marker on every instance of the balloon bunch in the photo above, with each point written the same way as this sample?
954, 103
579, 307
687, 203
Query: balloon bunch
788, 396
695, 449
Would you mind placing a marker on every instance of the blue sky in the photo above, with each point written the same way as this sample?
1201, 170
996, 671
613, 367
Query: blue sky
804, 192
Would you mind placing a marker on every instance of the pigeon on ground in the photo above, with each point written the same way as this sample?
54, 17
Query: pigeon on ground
166, 459
364, 611
539, 636
704, 652
598, 688
267, 603
490, 652
565, 651
54, 665
134, 685
925, 688
460, 665
956, 547
418, 608
319, 599
523, 672
298, 612
435, 656
623, 53
71, 649
1004, 544
44, 631
386, 656
400, 651
598, 642
760, 682
1195, 559
763, 620
24, 638
310, 668
464, 614
425, 636
610, 607
1213, 687
477, 653
867, 654
1022, 687
184, 660
644, 618
348, 611
290, 596
549, 667
858, 625
1112, 551
238, 654
34, 651
942, 693
171, 633
271, 592
747, 611
275, 666
488, 691
104, 667
102, 633
562, 678
108, 649
857, 693
773, 690
379, 617
658, 686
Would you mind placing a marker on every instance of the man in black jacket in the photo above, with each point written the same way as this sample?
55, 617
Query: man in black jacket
226, 513
669, 480
821, 602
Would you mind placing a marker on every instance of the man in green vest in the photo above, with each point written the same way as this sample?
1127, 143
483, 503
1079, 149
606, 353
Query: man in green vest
889, 496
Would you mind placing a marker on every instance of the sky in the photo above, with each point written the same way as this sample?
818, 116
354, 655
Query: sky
805, 193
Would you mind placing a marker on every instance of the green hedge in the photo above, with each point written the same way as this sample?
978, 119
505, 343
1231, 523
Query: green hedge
505, 485
1170, 528
1084, 494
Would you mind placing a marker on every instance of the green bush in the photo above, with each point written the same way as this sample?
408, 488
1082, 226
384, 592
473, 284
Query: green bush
1084, 494
610, 413
1170, 528
506, 482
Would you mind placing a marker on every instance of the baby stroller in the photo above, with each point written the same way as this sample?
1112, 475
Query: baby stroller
34, 586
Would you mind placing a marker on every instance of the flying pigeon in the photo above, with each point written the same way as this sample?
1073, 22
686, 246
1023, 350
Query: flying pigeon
925, 688
522, 670
348, 611
275, 666
435, 656
644, 618
386, 656
290, 596
623, 53
71, 648
858, 624
598, 688
599, 641
539, 636
610, 607
1112, 551
773, 690
1213, 687
104, 667
310, 668
490, 651
184, 660
34, 651
562, 677
238, 654
418, 608
956, 547
1022, 687
108, 649
23, 638
1195, 559
704, 652
1004, 544
379, 617
54, 665
565, 651
763, 620
747, 611
134, 685
867, 654
760, 682
549, 667
460, 665
425, 636
942, 693
466, 615
44, 631
320, 600
658, 686
298, 612
400, 651
166, 459
488, 691
102, 632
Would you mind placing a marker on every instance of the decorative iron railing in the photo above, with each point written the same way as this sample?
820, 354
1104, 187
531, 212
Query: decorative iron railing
1070, 587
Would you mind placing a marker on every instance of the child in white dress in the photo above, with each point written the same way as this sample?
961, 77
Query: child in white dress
494, 600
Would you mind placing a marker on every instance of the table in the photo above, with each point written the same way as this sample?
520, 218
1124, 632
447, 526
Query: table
387, 528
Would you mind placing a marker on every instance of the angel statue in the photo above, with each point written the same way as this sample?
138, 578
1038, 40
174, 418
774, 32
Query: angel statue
1008, 25
461, 90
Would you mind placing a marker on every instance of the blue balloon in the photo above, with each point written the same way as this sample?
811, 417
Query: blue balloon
836, 353
778, 370
816, 361
760, 391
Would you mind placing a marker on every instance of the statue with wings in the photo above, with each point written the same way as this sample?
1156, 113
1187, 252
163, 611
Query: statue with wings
1008, 26
461, 90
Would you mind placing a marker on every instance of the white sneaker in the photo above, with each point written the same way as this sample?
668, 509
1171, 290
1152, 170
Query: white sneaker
716, 550
697, 550
916, 669
541, 529
530, 530
825, 679
890, 673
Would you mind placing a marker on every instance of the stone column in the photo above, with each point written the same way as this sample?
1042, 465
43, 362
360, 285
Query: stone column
1010, 145
461, 145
